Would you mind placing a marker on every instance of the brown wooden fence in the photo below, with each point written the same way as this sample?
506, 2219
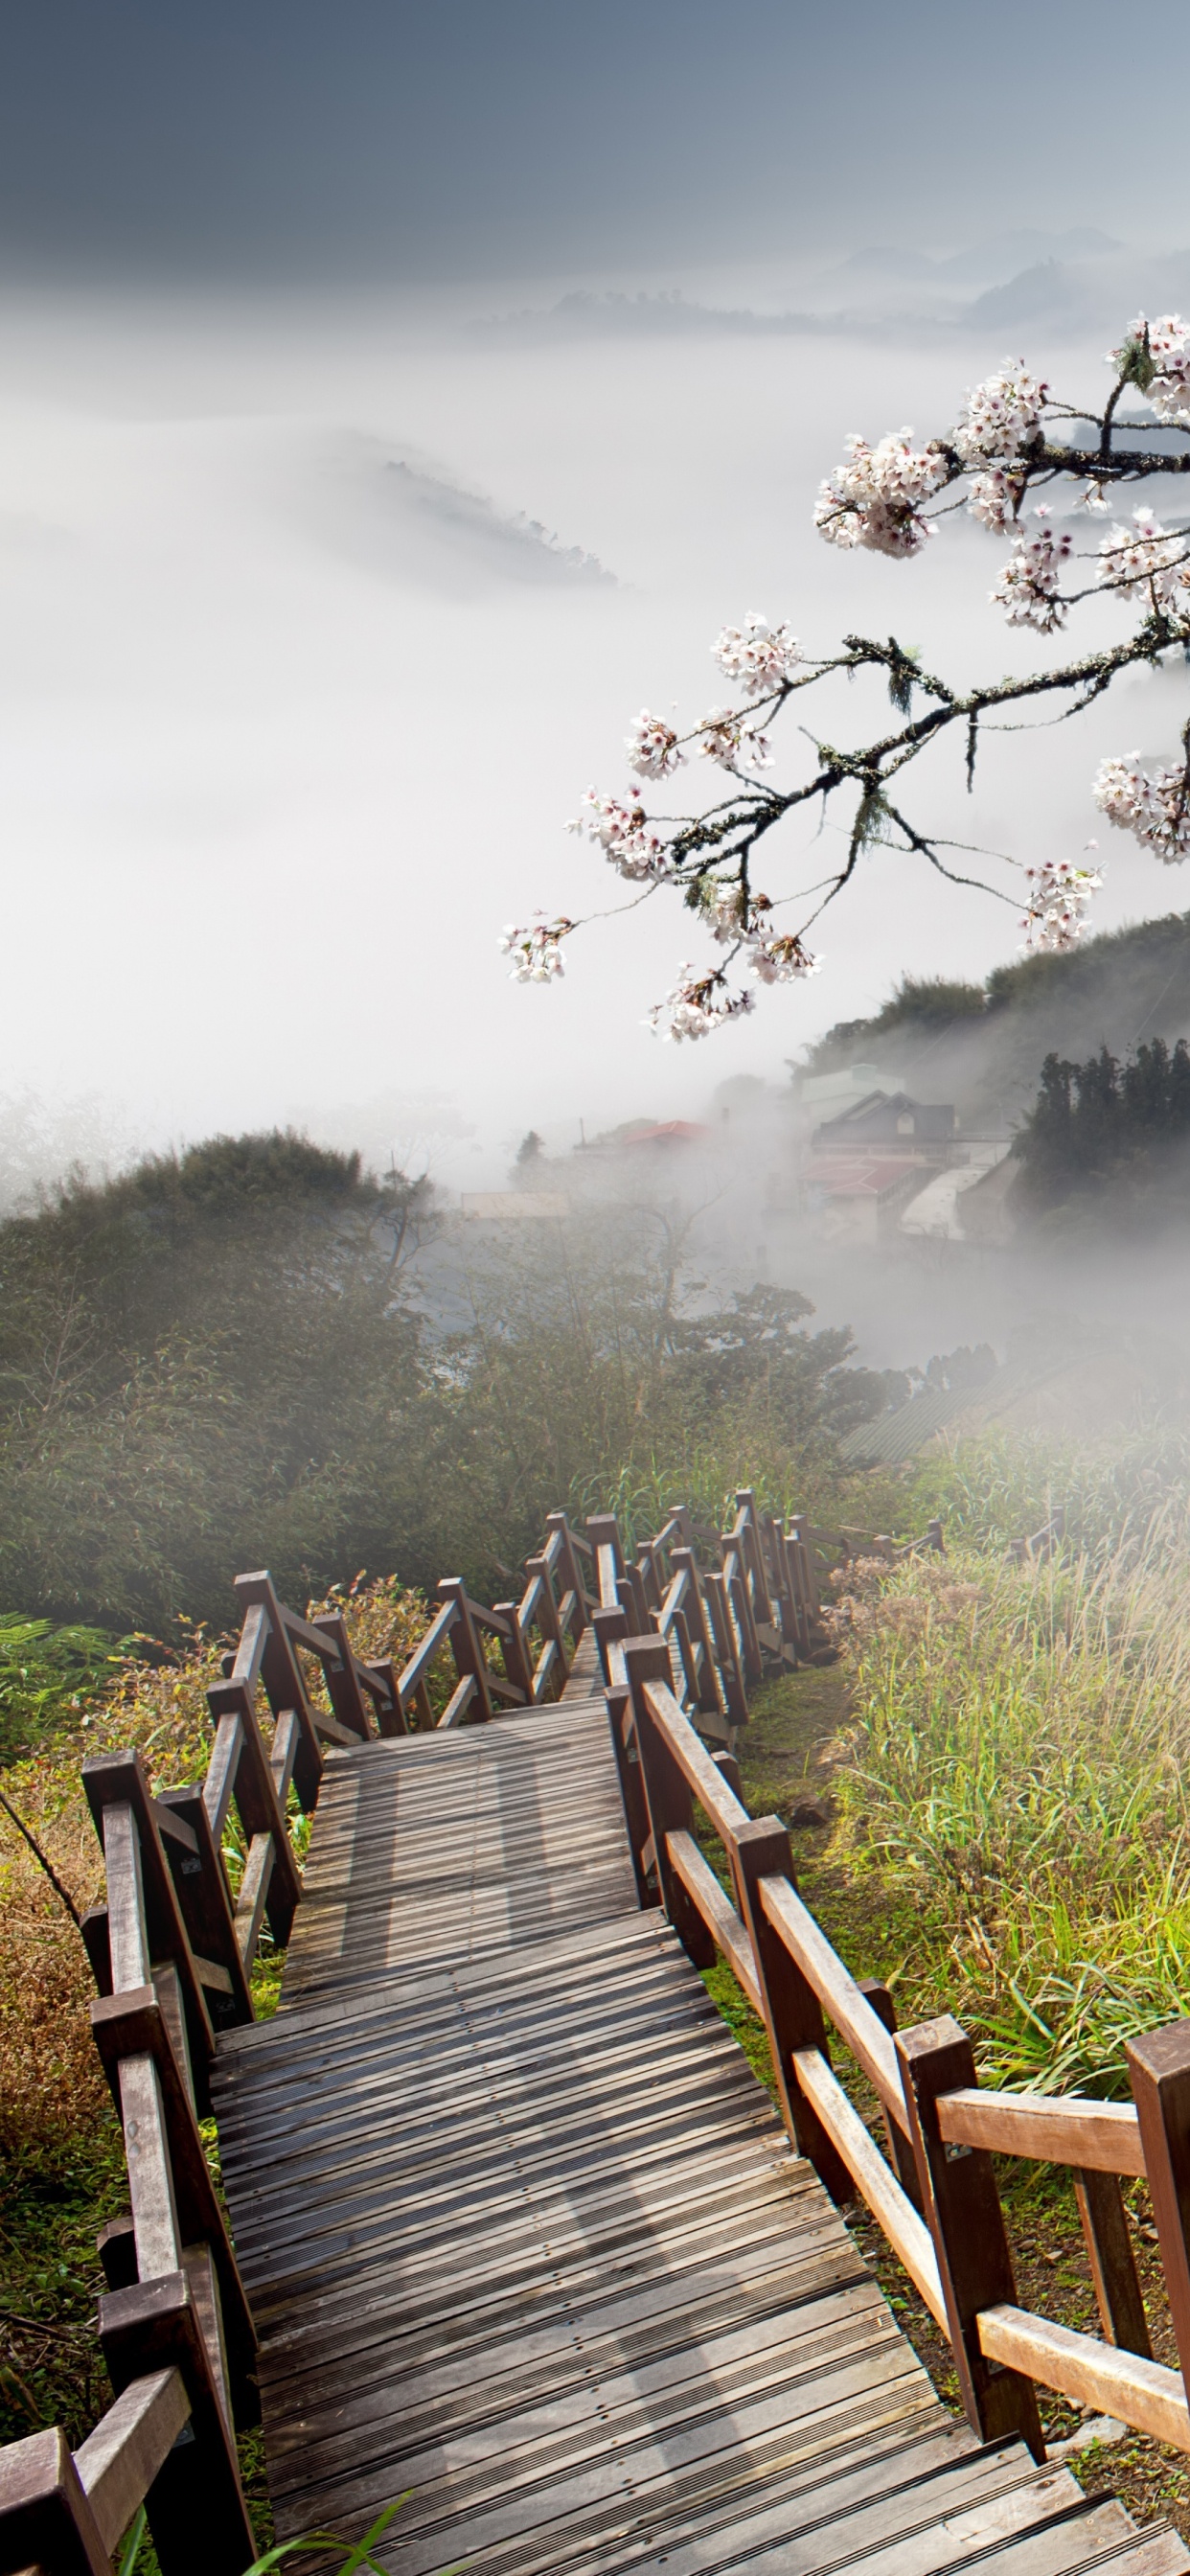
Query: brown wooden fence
934, 2190
172, 1955
680, 1639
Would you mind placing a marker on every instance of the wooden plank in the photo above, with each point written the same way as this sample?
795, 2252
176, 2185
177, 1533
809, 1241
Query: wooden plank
1159, 2066
128, 1939
1094, 2374
150, 2172
284, 1687
254, 1891
174, 2202
466, 1690
1059, 2129
718, 1913
857, 2025
118, 2462
906, 2233
151, 1914
206, 1905
962, 2207
718, 1801
47, 2527
255, 1792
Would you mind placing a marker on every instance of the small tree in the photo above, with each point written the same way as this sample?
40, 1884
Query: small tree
1013, 440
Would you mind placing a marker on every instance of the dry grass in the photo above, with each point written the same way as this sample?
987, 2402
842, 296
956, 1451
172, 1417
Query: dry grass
49, 2074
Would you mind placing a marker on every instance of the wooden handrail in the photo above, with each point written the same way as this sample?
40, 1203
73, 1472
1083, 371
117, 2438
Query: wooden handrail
717, 1911
1055, 2128
942, 2128
423, 1656
1094, 2374
837, 1992
907, 2234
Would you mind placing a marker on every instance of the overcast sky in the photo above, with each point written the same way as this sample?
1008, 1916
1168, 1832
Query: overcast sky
293, 703
391, 138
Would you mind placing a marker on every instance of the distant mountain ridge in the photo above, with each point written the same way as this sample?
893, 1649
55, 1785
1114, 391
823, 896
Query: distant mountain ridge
982, 1046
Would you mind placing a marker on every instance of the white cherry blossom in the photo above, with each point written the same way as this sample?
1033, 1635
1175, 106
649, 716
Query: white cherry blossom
1002, 416
1058, 899
761, 657
780, 960
873, 499
623, 835
535, 949
994, 498
732, 740
1146, 562
1154, 806
696, 1005
652, 746
1169, 352
1027, 589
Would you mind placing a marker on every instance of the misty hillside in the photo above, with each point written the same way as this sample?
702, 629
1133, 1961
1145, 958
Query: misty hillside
983, 1045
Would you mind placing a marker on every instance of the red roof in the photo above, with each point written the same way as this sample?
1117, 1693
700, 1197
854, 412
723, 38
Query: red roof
675, 1131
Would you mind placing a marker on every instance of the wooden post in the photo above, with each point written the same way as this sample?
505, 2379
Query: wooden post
792, 2012
46, 2521
464, 1644
900, 2153
610, 1627
195, 2506
549, 1624
727, 1651
710, 1699
1113, 2266
603, 1530
1159, 2065
799, 1529
962, 2206
342, 1687
281, 1674
728, 1765
632, 1791
741, 1602
574, 1580
670, 1802
513, 1651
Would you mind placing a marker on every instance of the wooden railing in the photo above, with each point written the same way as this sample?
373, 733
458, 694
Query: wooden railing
173, 1949
933, 2190
722, 1625
172, 1953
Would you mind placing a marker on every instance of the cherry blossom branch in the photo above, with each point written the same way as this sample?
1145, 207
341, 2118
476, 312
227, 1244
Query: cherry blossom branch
885, 498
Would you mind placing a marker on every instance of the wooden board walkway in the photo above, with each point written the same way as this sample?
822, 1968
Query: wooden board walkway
522, 2233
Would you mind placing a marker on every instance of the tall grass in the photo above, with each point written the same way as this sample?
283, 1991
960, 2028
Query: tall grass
1017, 1757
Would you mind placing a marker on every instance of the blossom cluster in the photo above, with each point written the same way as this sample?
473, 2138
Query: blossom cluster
732, 740
535, 949
1001, 417
1168, 387
773, 959
1027, 589
1146, 562
761, 657
995, 497
1154, 806
653, 747
873, 499
624, 837
1058, 899
696, 1005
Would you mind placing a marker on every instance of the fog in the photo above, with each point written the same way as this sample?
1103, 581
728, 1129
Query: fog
351, 507
297, 700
